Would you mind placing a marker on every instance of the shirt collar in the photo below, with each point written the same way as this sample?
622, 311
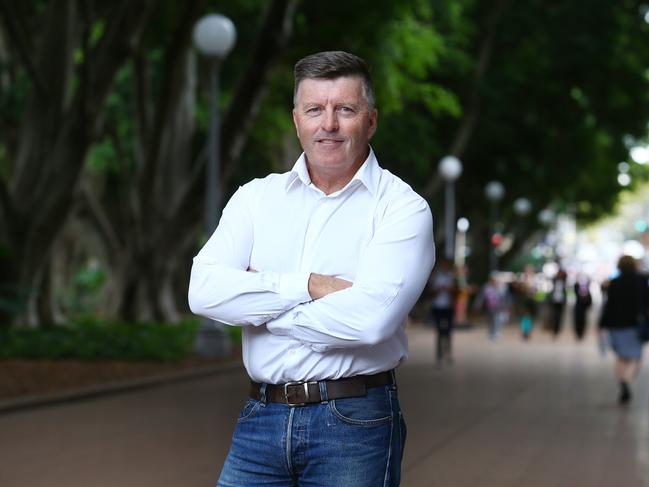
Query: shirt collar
368, 174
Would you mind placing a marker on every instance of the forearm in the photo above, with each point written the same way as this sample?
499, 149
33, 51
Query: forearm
358, 316
390, 276
237, 297
321, 285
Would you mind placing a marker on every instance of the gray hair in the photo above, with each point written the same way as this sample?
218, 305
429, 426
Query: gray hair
331, 65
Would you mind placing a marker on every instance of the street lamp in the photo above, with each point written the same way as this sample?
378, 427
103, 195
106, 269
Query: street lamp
460, 254
546, 216
450, 169
214, 36
494, 191
522, 207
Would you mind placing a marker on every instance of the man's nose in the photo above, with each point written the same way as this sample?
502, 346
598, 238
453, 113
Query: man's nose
330, 120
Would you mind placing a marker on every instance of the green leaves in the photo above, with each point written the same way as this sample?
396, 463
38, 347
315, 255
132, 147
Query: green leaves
93, 340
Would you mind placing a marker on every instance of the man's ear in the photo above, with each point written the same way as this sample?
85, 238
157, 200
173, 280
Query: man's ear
295, 123
373, 123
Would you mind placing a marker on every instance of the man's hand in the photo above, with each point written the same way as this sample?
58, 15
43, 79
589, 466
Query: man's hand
321, 285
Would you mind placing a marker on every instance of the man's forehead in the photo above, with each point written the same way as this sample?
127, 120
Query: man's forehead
320, 86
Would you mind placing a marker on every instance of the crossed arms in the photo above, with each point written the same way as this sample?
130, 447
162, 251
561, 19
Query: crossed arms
323, 312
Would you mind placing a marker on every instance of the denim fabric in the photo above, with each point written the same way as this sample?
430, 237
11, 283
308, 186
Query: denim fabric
353, 442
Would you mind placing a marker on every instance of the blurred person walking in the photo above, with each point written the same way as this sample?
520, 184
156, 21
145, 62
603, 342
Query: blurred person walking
493, 300
583, 302
557, 299
443, 289
320, 266
625, 309
526, 293
462, 296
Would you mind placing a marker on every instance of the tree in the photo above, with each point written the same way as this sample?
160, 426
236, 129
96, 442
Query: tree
65, 54
152, 192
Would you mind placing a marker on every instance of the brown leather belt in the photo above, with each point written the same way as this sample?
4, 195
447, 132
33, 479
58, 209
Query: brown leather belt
308, 392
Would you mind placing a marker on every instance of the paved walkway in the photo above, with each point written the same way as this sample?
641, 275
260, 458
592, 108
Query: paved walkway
509, 413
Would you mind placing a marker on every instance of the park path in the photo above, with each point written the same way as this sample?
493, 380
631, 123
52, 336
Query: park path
510, 413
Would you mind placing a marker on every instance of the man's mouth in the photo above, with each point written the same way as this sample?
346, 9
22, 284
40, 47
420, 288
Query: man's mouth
329, 141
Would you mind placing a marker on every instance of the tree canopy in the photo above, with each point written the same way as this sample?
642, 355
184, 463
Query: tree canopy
104, 124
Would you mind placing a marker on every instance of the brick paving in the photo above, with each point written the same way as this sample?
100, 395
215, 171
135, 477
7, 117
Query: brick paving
509, 413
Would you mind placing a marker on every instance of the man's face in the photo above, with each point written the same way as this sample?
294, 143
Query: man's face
333, 123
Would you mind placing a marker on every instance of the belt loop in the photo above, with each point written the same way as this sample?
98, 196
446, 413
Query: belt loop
262, 393
394, 378
322, 384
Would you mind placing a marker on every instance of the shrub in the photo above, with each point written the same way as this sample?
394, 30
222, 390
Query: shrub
90, 340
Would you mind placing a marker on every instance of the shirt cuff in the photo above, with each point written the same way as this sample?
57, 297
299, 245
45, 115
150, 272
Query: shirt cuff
294, 288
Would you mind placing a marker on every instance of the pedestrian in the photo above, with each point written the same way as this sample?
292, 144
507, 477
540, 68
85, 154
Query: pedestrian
625, 308
583, 301
492, 299
320, 266
526, 293
443, 289
557, 297
462, 296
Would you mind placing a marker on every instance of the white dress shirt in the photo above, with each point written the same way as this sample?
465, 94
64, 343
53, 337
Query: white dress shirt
376, 232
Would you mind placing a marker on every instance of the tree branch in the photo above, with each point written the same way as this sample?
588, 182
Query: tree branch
246, 102
100, 220
142, 112
18, 37
470, 119
6, 207
172, 76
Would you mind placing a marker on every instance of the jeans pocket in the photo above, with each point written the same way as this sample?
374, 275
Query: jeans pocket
374, 409
248, 410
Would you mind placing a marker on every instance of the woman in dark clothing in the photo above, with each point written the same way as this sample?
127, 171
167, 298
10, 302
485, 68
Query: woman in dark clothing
626, 303
557, 301
583, 300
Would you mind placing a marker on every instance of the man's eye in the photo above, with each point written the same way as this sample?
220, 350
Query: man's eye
346, 110
313, 111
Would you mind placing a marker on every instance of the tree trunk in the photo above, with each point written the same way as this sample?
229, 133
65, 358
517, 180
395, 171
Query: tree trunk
168, 193
57, 131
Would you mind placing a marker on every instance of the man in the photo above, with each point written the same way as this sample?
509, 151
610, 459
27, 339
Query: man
320, 266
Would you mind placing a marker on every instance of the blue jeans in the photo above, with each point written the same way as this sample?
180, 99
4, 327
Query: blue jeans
352, 442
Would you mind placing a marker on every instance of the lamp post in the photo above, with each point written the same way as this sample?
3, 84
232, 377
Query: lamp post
546, 217
522, 207
450, 169
494, 191
214, 36
461, 250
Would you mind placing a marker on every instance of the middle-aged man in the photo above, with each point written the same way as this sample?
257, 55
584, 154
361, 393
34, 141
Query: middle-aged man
320, 266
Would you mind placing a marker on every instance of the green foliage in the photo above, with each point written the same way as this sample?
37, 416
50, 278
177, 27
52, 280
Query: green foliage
94, 340
564, 88
83, 296
565, 85
103, 157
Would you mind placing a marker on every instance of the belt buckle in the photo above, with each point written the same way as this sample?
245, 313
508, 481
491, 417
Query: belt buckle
306, 393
